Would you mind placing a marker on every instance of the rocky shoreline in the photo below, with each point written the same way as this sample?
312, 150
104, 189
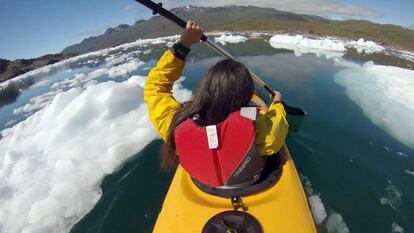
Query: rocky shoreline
10, 69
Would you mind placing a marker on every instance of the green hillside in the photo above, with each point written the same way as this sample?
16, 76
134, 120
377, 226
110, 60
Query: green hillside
249, 18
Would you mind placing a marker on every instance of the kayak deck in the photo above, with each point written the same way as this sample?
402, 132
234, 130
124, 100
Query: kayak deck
281, 208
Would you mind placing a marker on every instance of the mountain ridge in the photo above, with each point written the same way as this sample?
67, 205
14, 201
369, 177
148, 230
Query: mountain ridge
250, 18
226, 18
10, 69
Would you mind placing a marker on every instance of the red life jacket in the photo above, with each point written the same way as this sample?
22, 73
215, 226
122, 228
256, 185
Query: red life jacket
222, 154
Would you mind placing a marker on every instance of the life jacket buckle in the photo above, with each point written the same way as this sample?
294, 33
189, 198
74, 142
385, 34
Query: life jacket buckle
237, 203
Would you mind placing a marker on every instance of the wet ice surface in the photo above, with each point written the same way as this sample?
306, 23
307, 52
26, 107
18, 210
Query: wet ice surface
223, 39
333, 223
385, 94
302, 45
57, 146
332, 47
53, 162
52, 179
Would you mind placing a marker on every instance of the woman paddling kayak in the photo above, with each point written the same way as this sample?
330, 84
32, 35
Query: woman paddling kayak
221, 139
221, 142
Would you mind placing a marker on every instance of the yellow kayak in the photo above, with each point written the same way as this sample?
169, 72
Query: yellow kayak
283, 207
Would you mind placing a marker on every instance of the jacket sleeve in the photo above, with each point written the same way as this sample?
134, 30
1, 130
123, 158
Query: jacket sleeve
158, 92
271, 129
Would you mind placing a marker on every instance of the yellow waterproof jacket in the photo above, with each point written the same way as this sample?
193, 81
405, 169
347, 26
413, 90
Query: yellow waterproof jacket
271, 127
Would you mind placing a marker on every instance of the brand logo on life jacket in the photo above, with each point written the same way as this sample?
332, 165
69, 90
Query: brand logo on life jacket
244, 164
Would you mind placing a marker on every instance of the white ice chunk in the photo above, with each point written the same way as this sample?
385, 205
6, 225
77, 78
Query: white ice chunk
335, 224
85, 80
115, 60
234, 39
10, 122
160, 41
409, 172
37, 102
52, 164
86, 56
393, 196
147, 51
408, 55
307, 185
94, 74
318, 209
395, 228
303, 45
385, 95
125, 68
401, 153
137, 79
365, 46
257, 35
41, 83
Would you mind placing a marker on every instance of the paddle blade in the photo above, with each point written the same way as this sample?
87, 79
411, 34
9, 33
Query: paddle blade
293, 110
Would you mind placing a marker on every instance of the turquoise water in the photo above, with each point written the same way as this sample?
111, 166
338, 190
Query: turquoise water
350, 162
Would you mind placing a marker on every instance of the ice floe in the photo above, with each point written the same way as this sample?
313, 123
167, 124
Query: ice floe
409, 172
158, 42
258, 35
385, 95
318, 210
401, 153
233, 39
37, 102
41, 84
124, 68
91, 56
365, 46
396, 228
52, 163
333, 221
10, 122
393, 196
112, 72
336, 224
408, 55
303, 45
331, 47
315, 202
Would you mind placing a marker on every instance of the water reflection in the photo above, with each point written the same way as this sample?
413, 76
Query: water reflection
379, 58
10, 94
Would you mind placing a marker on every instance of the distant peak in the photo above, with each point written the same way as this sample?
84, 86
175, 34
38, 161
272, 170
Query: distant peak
189, 8
116, 29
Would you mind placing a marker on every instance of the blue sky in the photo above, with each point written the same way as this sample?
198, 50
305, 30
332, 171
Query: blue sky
37, 27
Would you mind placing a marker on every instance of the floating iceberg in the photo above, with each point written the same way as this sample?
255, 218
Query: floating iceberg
52, 164
37, 102
336, 224
302, 45
112, 72
365, 46
318, 209
223, 39
41, 84
87, 56
385, 95
395, 228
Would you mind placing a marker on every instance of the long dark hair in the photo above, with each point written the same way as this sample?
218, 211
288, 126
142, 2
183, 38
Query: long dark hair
226, 88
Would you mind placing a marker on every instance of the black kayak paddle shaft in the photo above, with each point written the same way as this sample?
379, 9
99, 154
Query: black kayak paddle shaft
158, 9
